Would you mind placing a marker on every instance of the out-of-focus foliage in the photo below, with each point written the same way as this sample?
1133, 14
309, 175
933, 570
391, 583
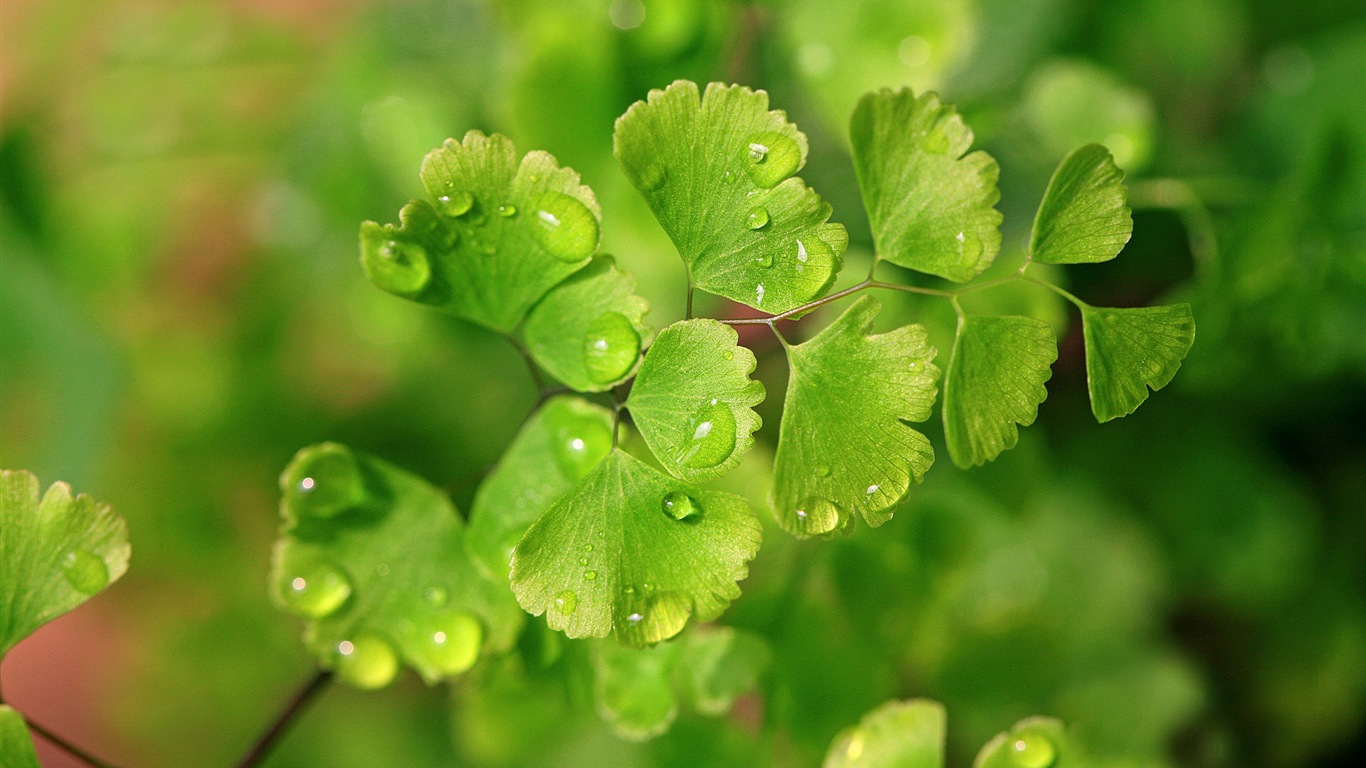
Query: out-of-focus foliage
182, 306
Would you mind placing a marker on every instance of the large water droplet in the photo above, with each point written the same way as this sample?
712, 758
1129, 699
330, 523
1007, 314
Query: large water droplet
507, 210
579, 442
566, 603
455, 203
85, 571
564, 227
610, 348
1030, 747
818, 515
711, 438
309, 584
757, 218
814, 265
323, 482
969, 247
366, 661
450, 641
771, 157
396, 265
680, 506
651, 176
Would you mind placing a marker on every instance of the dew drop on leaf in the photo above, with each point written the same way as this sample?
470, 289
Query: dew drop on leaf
325, 482
310, 585
610, 348
507, 211
85, 571
366, 661
680, 506
818, 515
1031, 748
728, 355
397, 266
450, 641
815, 261
771, 157
590, 575
969, 247
436, 595
764, 260
455, 203
579, 443
564, 227
652, 176
566, 602
823, 471
712, 438
757, 218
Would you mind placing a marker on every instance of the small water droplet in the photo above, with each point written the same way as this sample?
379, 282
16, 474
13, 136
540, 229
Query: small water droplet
610, 348
579, 442
590, 575
583, 561
936, 142
449, 641
455, 204
727, 355
969, 248
727, 178
366, 661
680, 506
759, 293
85, 571
507, 210
711, 437
651, 176
818, 515
628, 589
823, 471
323, 482
635, 618
564, 227
397, 265
772, 157
588, 548
566, 602
1030, 747
308, 584
436, 595
764, 260
757, 218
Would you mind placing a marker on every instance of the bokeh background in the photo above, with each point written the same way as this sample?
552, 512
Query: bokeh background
181, 308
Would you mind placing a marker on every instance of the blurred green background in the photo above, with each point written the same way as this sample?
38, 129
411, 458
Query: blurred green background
181, 308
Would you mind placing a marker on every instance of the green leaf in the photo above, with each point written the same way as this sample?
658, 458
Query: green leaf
995, 381
495, 238
373, 559
717, 170
930, 205
16, 748
718, 665
587, 331
845, 444
1035, 742
557, 447
633, 689
634, 550
898, 734
54, 554
1130, 350
692, 400
1084, 215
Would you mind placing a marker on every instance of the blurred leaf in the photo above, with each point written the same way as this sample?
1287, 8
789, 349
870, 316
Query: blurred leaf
693, 399
929, 204
1067, 103
16, 748
1129, 351
844, 444
373, 559
632, 688
634, 550
557, 447
1084, 217
500, 236
994, 381
719, 664
1035, 742
745, 228
587, 331
54, 554
898, 734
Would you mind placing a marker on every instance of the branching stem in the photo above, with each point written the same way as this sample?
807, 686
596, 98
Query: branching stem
261, 750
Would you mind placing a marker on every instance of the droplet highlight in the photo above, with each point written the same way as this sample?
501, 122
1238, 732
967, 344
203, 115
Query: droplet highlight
449, 641
85, 571
969, 247
310, 584
680, 506
757, 218
590, 575
507, 211
323, 482
566, 603
455, 203
564, 227
815, 515
771, 157
366, 661
579, 442
610, 348
1031, 748
711, 437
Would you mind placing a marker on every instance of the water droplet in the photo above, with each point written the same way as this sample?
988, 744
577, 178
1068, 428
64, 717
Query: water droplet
757, 218
396, 265
635, 618
450, 641
818, 515
583, 561
728, 355
507, 210
711, 437
759, 294
566, 602
680, 506
969, 248
588, 548
455, 204
323, 482
872, 489
85, 571
651, 176
610, 348
366, 661
936, 142
436, 595
1030, 747
771, 158
764, 260
590, 575
382, 570
727, 178
310, 584
564, 227
823, 471
628, 589
579, 442
814, 266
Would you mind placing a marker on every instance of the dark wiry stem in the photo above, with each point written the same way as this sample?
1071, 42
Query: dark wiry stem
68, 747
284, 720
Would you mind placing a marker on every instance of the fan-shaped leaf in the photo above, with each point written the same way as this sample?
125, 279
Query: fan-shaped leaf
1084, 216
898, 734
1129, 351
1035, 742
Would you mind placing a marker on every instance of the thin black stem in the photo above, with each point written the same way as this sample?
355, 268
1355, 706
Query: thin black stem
67, 746
284, 720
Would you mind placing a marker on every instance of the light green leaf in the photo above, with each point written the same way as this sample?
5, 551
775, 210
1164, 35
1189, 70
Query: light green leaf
373, 559
587, 331
634, 550
633, 689
1130, 350
495, 238
717, 170
54, 553
898, 734
930, 205
557, 447
845, 444
717, 665
1035, 742
692, 400
16, 748
1084, 215
995, 381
